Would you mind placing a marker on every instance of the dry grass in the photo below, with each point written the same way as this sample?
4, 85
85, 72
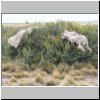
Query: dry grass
63, 68
43, 73
21, 74
75, 72
60, 70
9, 67
61, 75
34, 67
86, 71
56, 74
78, 65
69, 80
9, 83
39, 78
80, 77
52, 82
6, 75
89, 66
83, 83
26, 82
13, 79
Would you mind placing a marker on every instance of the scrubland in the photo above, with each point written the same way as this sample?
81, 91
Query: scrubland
44, 59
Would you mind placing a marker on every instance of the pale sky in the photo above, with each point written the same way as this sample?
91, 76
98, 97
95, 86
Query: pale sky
22, 18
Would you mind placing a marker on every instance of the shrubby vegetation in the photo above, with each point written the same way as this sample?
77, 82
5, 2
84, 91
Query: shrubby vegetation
45, 48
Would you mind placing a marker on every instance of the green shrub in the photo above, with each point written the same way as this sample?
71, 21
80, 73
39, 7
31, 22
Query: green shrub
45, 47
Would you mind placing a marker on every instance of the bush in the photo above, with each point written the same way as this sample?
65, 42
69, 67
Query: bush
45, 47
9, 67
